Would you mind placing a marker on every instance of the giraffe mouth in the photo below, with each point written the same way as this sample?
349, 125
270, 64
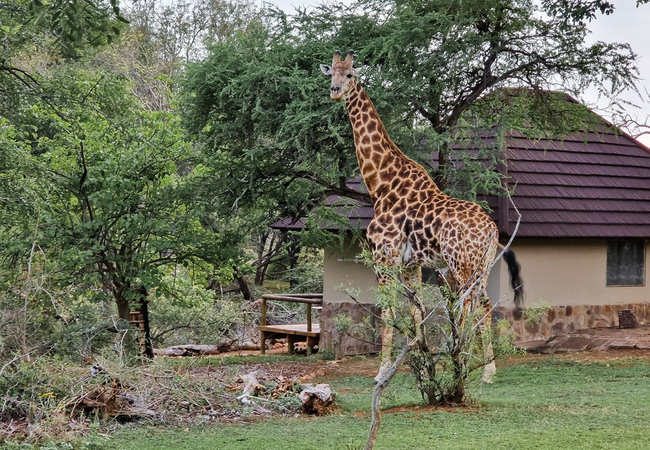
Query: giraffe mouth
337, 97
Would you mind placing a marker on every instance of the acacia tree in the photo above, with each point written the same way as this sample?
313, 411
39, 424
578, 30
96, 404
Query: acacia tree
258, 104
91, 180
161, 38
96, 153
111, 209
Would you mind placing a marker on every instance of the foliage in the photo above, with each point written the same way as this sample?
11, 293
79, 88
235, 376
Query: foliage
453, 350
306, 275
194, 315
162, 38
108, 205
68, 24
443, 342
180, 31
259, 106
535, 312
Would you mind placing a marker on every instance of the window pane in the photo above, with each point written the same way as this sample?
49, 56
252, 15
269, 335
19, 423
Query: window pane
625, 263
429, 276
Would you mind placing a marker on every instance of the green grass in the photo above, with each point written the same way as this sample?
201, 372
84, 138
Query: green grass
541, 404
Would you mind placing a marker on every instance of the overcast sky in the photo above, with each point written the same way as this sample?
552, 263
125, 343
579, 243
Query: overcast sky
627, 24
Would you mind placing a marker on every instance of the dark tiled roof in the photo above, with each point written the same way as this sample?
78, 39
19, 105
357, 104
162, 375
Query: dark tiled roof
589, 185
594, 185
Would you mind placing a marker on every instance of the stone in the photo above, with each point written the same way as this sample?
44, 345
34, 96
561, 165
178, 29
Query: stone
550, 316
575, 343
623, 345
568, 311
359, 340
534, 329
598, 344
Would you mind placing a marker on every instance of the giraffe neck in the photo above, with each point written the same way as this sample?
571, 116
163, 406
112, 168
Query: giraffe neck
380, 160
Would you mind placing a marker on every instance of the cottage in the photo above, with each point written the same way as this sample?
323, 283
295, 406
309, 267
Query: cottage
582, 241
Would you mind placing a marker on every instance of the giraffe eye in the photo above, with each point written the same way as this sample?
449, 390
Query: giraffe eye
349, 75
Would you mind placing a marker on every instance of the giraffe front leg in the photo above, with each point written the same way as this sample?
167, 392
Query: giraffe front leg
387, 320
386, 258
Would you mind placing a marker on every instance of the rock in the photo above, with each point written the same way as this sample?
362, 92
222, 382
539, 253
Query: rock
599, 344
575, 343
624, 344
317, 399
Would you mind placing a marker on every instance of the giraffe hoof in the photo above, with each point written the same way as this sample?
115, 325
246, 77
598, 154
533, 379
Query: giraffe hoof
382, 371
489, 372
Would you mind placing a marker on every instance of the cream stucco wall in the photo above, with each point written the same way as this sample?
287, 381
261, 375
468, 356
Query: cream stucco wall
561, 272
342, 268
567, 272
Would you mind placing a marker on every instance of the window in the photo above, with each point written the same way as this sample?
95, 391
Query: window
625, 263
429, 276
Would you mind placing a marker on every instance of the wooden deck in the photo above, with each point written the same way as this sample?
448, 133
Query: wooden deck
309, 331
299, 329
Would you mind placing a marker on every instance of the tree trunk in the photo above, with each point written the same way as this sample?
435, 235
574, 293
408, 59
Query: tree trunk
144, 310
123, 307
261, 268
443, 168
293, 250
382, 384
243, 285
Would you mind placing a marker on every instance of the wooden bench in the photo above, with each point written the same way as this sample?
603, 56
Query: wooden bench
293, 332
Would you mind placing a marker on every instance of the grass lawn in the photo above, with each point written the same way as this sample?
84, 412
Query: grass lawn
534, 403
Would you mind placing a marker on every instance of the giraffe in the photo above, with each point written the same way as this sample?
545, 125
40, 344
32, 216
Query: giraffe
415, 224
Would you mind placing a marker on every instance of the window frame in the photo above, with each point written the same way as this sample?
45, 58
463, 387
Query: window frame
640, 242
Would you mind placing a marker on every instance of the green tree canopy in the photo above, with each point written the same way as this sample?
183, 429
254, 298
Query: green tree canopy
95, 182
260, 108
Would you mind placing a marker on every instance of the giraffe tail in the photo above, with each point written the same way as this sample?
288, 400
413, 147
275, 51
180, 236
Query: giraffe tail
515, 277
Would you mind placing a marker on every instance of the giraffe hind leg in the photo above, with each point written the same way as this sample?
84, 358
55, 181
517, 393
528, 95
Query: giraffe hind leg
413, 280
490, 368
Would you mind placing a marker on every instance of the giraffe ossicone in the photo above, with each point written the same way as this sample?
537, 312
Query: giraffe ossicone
415, 224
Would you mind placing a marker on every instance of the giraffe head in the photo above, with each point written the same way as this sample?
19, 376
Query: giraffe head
341, 72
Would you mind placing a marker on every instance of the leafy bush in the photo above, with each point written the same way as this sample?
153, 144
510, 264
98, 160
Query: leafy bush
194, 314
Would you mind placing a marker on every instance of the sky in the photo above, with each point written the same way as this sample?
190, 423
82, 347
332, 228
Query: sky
628, 24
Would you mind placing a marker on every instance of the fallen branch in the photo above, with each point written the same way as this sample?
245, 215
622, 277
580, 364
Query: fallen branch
251, 386
201, 350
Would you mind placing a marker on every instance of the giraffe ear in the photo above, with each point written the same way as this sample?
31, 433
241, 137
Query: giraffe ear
327, 70
358, 71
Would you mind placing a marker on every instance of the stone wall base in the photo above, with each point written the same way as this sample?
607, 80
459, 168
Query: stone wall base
363, 336
565, 319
